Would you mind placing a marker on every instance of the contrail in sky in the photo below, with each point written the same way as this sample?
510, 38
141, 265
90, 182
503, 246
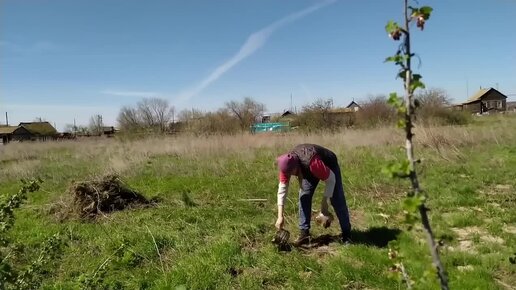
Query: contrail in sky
255, 41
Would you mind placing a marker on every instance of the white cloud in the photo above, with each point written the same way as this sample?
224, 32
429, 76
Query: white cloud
255, 41
141, 94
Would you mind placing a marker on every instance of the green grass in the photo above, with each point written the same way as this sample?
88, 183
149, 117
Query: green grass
208, 239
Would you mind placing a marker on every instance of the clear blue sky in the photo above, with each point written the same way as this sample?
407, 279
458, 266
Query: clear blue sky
66, 59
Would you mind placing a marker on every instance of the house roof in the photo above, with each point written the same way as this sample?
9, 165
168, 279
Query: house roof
478, 95
287, 112
352, 105
39, 128
8, 129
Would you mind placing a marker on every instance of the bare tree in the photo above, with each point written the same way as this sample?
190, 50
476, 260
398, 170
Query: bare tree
320, 106
96, 124
433, 97
188, 115
197, 122
155, 113
246, 111
128, 119
434, 108
375, 111
149, 113
316, 116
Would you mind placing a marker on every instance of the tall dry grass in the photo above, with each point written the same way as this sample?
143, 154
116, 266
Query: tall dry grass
111, 155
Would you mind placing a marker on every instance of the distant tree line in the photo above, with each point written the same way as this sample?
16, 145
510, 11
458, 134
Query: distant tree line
434, 109
155, 115
158, 116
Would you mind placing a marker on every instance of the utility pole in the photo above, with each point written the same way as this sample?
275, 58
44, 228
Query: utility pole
290, 102
6, 119
100, 124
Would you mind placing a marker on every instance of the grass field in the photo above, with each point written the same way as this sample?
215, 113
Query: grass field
201, 235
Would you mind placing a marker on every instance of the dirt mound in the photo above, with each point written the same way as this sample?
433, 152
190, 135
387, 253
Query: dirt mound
103, 195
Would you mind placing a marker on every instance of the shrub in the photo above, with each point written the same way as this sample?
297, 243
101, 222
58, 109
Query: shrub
30, 275
375, 112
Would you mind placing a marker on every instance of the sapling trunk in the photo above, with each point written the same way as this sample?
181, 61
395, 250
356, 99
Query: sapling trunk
409, 146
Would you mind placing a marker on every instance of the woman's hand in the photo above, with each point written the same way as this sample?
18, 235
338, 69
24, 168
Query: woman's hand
279, 223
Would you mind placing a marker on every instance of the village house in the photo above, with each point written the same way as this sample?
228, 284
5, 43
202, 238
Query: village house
28, 131
484, 101
13, 133
353, 106
40, 131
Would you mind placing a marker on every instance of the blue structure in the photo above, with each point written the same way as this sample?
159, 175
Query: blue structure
270, 127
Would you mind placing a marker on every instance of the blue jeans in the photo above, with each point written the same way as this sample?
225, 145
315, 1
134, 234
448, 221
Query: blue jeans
338, 201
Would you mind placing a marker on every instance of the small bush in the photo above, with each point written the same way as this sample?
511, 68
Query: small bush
375, 112
434, 109
442, 116
320, 116
220, 122
27, 275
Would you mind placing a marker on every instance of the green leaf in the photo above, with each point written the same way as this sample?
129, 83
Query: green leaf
397, 103
391, 26
401, 123
405, 167
402, 109
412, 204
410, 219
426, 11
402, 74
416, 77
393, 100
398, 58
397, 169
416, 84
394, 58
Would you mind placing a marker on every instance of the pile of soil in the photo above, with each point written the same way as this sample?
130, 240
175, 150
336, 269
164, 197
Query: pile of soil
103, 195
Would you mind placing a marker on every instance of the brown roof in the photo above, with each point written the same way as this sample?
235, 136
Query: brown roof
478, 95
8, 129
39, 128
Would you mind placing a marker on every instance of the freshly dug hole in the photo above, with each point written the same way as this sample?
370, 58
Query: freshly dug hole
103, 195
